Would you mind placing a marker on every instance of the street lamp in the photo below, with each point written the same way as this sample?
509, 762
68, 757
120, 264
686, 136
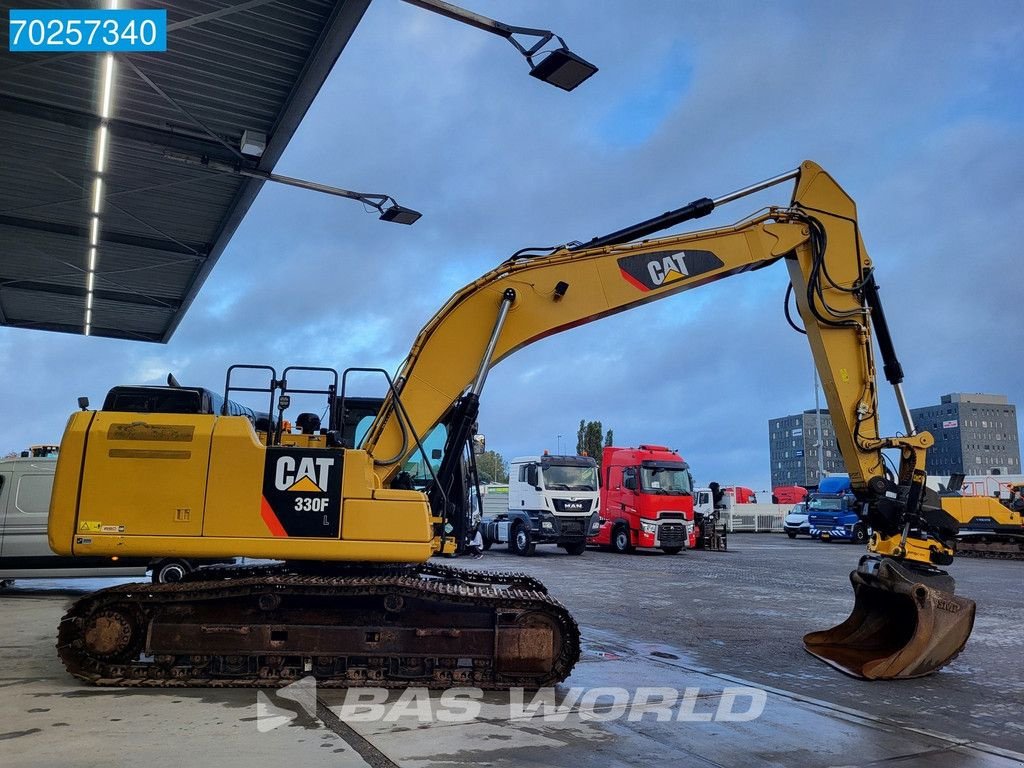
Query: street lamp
386, 206
559, 67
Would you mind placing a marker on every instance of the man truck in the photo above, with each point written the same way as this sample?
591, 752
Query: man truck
647, 500
551, 500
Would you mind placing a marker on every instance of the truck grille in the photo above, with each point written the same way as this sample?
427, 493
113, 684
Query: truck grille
571, 528
576, 507
672, 535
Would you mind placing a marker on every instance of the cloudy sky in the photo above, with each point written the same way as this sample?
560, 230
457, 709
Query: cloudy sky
915, 107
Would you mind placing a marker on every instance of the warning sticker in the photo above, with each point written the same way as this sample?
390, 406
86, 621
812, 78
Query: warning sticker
88, 526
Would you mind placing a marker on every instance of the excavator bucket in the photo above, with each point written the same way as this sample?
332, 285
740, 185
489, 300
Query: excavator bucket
905, 623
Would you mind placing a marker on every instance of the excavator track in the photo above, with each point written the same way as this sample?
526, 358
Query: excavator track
992, 547
264, 626
426, 570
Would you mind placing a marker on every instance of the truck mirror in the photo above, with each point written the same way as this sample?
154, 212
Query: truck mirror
436, 454
629, 482
531, 476
479, 444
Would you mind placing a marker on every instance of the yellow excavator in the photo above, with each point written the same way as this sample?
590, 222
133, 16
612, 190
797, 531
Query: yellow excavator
355, 599
989, 527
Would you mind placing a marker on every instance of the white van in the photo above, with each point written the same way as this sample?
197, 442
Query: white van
25, 485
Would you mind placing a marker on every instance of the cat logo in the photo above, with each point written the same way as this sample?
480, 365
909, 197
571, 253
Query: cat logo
307, 474
302, 492
648, 271
671, 267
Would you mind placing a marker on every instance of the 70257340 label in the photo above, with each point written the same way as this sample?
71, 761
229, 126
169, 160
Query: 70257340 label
87, 30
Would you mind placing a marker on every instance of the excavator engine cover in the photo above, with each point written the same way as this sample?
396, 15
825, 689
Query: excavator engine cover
906, 622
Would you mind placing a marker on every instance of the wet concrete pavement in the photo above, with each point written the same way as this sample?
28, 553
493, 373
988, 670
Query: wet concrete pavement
707, 622
744, 612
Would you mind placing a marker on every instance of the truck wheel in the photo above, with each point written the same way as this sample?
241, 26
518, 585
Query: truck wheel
791, 534
860, 534
620, 540
170, 571
519, 542
671, 550
575, 549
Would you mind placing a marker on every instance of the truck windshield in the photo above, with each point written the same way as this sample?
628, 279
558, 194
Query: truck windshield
558, 477
665, 480
820, 504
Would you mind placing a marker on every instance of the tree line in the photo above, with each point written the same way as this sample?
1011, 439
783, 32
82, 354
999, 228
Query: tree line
591, 438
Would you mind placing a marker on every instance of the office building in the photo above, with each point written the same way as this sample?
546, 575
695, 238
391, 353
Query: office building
975, 434
794, 446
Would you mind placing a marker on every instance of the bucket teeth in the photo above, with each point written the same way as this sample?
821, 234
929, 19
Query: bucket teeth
906, 622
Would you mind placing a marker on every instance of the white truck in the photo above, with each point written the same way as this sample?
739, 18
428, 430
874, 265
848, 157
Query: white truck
551, 500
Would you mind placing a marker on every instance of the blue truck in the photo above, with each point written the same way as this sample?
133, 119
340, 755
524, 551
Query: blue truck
832, 512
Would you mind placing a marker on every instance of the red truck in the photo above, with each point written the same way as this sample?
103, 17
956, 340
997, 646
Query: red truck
647, 500
788, 494
740, 494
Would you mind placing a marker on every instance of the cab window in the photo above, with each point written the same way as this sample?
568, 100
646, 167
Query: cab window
33, 495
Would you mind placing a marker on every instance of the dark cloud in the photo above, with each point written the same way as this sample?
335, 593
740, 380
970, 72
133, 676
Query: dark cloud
914, 107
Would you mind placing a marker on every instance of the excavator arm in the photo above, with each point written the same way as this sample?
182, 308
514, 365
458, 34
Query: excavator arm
529, 298
906, 615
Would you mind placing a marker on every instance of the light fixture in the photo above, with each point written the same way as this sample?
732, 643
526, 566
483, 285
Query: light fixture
399, 214
385, 205
560, 67
105, 109
253, 143
97, 195
101, 148
108, 85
